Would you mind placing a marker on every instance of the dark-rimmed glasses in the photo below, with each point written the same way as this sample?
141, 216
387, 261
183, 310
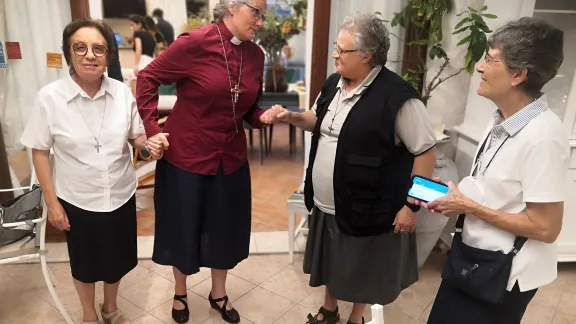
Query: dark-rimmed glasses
81, 49
340, 51
257, 12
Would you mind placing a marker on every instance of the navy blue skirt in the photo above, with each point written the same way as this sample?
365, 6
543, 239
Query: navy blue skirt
201, 220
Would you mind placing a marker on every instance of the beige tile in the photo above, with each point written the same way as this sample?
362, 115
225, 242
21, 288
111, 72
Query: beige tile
199, 310
289, 283
424, 316
567, 304
414, 299
316, 299
537, 314
258, 268
149, 292
66, 294
396, 317
28, 275
549, 295
298, 314
27, 308
561, 318
236, 287
147, 319
271, 242
130, 310
134, 276
262, 306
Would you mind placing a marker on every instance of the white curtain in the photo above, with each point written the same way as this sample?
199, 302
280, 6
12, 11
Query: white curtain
38, 26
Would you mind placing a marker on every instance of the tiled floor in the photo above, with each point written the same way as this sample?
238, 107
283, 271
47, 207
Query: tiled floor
265, 289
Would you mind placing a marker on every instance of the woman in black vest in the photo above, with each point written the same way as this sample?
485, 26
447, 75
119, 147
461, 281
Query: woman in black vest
370, 133
510, 208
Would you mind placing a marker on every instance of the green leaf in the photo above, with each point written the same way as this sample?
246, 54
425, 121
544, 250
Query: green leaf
378, 13
418, 24
472, 9
460, 30
477, 18
489, 16
465, 40
460, 14
420, 42
433, 52
462, 22
467, 63
484, 8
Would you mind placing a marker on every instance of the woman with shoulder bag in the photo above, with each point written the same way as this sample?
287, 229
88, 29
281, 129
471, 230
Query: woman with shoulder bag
510, 209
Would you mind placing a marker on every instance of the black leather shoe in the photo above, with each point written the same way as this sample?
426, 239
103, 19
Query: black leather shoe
230, 316
328, 317
349, 322
181, 315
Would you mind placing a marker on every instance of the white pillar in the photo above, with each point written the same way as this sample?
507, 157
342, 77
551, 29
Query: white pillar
174, 12
95, 7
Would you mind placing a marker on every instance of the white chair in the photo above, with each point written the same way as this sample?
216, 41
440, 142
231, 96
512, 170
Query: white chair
29, 249
295, 206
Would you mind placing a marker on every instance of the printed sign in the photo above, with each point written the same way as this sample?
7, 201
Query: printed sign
54, 60
13, 51
3, 64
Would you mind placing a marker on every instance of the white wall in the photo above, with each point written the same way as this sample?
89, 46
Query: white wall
340, 9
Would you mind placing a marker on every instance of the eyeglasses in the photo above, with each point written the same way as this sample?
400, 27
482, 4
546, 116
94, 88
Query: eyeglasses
81, 49
489, 60
257, 12
340, 51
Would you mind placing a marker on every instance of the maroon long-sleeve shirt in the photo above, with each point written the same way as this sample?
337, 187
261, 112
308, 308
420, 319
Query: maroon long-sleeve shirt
201, 125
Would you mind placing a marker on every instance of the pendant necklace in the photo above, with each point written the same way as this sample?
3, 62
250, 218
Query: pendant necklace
97, 139
337, 111
234, 91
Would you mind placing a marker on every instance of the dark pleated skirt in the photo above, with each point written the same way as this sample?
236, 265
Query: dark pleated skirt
367, 270
452, 306
201, 220
102, 246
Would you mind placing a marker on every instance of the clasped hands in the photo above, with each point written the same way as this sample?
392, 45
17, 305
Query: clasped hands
157, 144
275, 114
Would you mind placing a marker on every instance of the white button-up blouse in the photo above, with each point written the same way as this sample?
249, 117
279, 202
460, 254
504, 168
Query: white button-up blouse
92, 165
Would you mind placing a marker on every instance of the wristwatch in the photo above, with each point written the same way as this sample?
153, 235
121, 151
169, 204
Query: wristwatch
415, 208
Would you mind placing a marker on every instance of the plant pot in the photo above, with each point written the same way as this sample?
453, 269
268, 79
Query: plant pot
275, 79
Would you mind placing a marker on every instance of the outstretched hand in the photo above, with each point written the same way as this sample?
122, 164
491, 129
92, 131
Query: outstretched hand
451, 204
274, 115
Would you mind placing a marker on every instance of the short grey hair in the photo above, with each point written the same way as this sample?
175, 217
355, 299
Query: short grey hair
370, 35
532, 44
221, 9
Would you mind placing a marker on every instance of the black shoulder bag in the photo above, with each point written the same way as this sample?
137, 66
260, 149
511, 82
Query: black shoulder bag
480, 273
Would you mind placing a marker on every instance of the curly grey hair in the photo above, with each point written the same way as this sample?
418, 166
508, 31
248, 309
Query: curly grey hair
532, 44
370, 35
221, 9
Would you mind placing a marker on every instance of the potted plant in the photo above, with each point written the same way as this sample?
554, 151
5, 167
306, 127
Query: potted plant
281, 24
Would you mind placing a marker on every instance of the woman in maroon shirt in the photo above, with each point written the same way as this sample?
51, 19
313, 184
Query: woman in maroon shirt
203, 191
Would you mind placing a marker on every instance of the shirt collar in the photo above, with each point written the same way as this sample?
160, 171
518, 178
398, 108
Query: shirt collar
227, 34
73, 89
364, 85
516, 122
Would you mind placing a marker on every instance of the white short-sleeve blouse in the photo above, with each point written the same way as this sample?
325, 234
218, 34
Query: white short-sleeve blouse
92, 165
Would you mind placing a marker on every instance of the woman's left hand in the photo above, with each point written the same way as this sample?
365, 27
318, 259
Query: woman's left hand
451, 204
405, 221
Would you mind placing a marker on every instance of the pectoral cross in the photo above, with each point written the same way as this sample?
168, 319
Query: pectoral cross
97, 146
236, 91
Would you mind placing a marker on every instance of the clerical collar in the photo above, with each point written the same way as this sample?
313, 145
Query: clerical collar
228, 34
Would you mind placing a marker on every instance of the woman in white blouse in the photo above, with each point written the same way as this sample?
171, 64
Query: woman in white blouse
88, 119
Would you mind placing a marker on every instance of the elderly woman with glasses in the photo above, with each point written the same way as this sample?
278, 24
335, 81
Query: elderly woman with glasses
510, 209
88, 120
203, 191
370, 133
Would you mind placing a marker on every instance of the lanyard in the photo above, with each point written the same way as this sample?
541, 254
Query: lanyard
482, 151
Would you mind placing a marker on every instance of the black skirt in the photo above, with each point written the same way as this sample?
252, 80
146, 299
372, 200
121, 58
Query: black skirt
201, 220
452, 306
102, 245
366, 270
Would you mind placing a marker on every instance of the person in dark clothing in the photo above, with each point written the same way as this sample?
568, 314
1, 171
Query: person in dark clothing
164, 26
158, 36
114, 68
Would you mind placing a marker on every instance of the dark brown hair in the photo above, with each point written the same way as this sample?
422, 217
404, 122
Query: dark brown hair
76, 25
137, 19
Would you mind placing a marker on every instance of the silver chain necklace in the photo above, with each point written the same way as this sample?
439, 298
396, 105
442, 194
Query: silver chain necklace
337, 111
97, 139
234, 91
